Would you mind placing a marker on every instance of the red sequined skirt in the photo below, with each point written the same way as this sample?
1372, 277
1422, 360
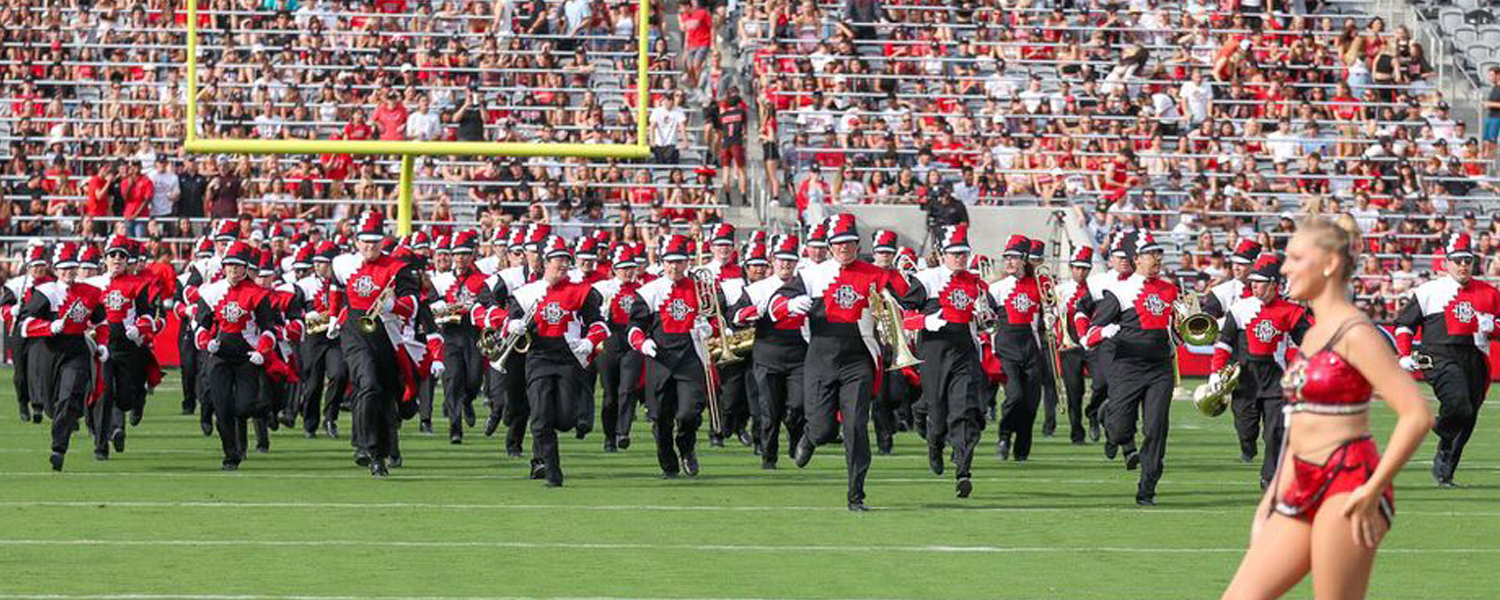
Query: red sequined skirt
1347, 468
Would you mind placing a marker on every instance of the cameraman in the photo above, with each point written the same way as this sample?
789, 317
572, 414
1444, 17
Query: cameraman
942, 209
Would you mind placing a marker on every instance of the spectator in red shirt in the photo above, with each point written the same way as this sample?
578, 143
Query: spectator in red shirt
698, 35
357, 129
390, 118
137, 190
98, 193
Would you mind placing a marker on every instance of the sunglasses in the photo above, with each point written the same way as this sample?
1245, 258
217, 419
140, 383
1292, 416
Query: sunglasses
1462, 261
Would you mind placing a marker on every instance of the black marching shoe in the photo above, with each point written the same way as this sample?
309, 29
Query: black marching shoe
331, 428
1110, 450
804, 454
117, 437
858, 507
395, 462
514, 453
581, 431
230, 465
310, 433
768, 465
884, 445
469, 414
609, 445
56, 460
135, 417
455, 436
963, 488
1246, 456
425, 427
101, 455
378, 469
1094, 431
744, 438
362, 459
669, 474
935, 460
1145, 500
25, 413
36, 415
1132, 459
491, 424
623, 442
263, 448
552, 484
538, 469
207, 425
1002, 449
716, 440
690, 464
288, 420
1440, 469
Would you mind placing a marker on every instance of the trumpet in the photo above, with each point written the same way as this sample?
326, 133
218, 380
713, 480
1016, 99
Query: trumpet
1052, 325
317, 324
1212, 398
888, 329
497, 345
452, 313
1194, 326
370, 321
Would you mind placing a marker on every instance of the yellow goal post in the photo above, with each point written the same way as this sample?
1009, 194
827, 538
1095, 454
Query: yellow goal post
408, 150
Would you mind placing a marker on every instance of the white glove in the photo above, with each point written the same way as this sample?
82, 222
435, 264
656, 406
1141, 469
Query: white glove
437, 368
438, 306
311, 316
1486, 323
332, 333
133, 334
1408, 363
581, 347
257, 358
1109, 331
515, 327
103, 352
702, 328
213, 346
934, 322
648, 348
1213, 379
799, 305
388, 305
57, 326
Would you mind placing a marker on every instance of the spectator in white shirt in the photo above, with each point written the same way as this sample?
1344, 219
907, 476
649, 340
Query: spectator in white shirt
424, 124
668, 129
166, 190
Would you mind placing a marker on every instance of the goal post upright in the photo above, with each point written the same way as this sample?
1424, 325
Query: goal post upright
408, 150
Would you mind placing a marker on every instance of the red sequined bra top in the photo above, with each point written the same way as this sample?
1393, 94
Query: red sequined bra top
1325, 383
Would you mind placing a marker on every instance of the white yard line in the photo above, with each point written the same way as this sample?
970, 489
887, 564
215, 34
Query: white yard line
362, 597
732, 548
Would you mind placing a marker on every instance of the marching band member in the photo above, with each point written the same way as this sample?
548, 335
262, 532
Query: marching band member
816, 249
277, 376
619, 365
188, 355
1330, 461
668, 327
1456, 315
948, 301
234, 322
586, 271
1017, 301
1098, 355
463, 300
893, 389
383, 375
734, 401
843, 351
507, 384
1137, 314
325, 379
206, 271
1216, 304
1036, 257
1073, 291
757, 267
299, 266
65, 318
563, 318
778, 355
1255, 335
131, 316
17, 291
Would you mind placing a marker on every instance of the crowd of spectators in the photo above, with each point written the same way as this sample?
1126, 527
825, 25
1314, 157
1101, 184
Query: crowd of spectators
1205, 122
94, 104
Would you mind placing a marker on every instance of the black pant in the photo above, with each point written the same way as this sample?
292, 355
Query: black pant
1072, 376
1023, 396
325, 379
1245, 403
124, 390
1273, 426
588, 381
377, 388
620, 375
733, 399
839, 383
17, 346
41, 376
1141, 389
894, 393
1460, 377
234, 390
73, 377
1049, 394
553, 400
1098, 363
463, 374
781, 403
675, 399
667, 155
507, 394
187, 354
950, 383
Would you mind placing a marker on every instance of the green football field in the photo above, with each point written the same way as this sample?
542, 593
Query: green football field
303, 522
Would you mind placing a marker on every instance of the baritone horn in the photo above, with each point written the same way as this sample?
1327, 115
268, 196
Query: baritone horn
317, 324
370, 321
1212, 398
888, 330
1194, 326
497, 345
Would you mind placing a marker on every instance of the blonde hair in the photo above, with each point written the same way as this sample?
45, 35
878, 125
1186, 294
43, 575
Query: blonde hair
1335, 234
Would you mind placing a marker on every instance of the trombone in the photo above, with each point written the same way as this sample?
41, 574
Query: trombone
705, 287
1052, 326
